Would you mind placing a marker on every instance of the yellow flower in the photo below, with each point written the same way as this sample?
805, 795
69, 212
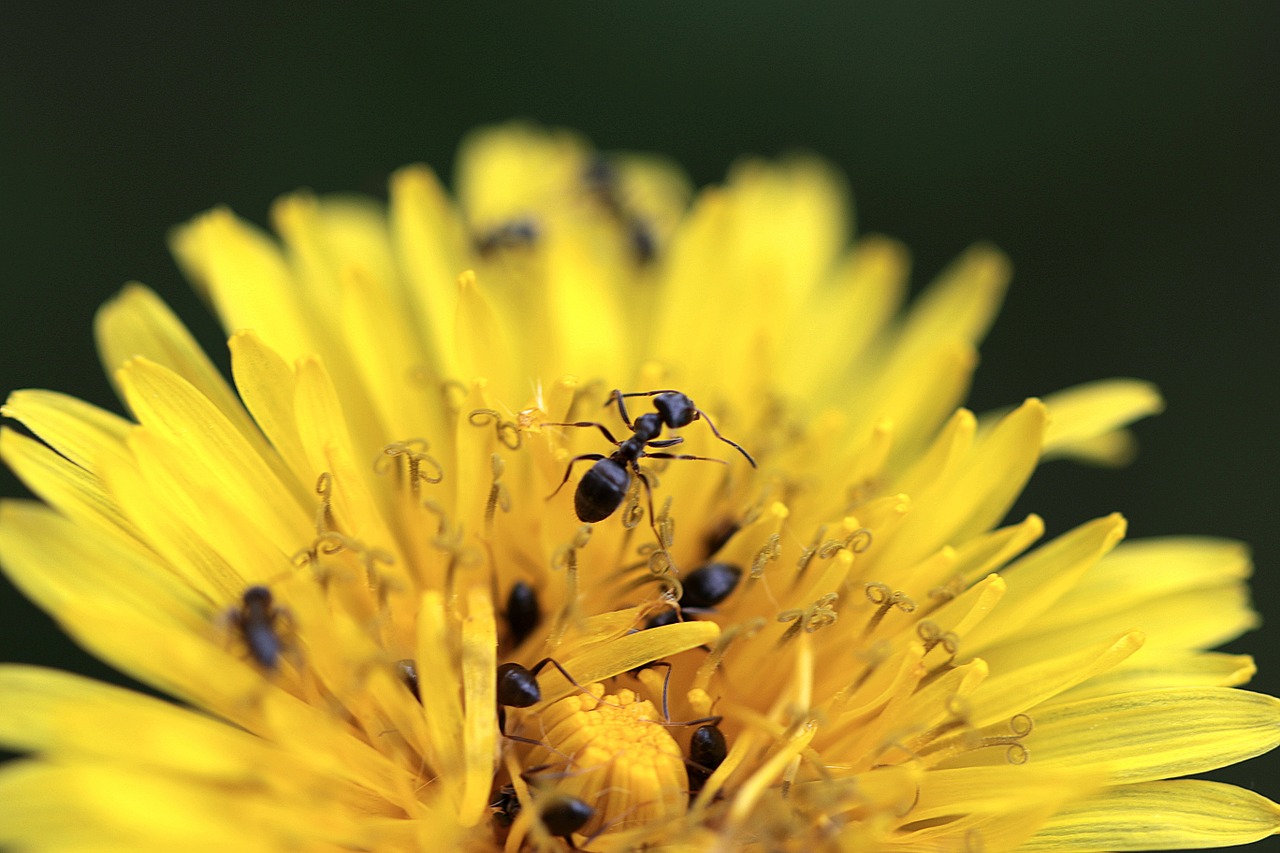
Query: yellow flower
386, 636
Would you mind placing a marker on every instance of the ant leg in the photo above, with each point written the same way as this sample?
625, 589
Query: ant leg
683, 456
616, 397
733, 444
666, 684
650, 393
567, 471
541, 665
665, 442
604, 429
714, 720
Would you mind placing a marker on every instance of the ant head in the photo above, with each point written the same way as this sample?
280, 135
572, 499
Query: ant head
564, 815
517, 686
255, 595
676, 409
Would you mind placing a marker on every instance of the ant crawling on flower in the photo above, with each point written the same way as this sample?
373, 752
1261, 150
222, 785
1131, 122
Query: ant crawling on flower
601, 490
518, 687
561, 815
704, 588
259, 620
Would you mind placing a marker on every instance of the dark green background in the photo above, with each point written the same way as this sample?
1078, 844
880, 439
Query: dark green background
1124, 155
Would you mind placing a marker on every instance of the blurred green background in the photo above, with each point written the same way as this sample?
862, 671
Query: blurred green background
1124, 155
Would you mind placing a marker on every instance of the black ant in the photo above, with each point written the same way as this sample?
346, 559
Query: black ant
561, 815
518, 686
515, 233
707, 745
601, 490
707, 751
506, 806
603, 182
704, 588
523, 611
258, 621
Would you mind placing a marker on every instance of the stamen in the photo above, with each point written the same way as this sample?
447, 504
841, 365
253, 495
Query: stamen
410, 454
454, 393
507, 431
325, 544
885, 600
744, 630
324, 514
768, 553
499, 495
933, 636
632, 512
818, 615
1020, 725
666, 526
873, 657
565, 559
449, 539
807, 555
940, 595
857, 541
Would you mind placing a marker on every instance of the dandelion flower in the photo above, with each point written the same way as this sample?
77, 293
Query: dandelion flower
382, 634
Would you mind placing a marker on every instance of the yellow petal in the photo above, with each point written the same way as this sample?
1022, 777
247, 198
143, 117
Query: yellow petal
83, 433
267, 385
1179, 815
1156, 669
960, 304
979, 492
1014, 691
217, 455
72, 490
1138, 737
1037, 580
1081, 418
479, 662
429, 243
64, 716
1198, 619
62, 568
138, 323
242, 270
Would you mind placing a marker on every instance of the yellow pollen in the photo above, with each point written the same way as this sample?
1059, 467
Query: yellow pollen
614, 753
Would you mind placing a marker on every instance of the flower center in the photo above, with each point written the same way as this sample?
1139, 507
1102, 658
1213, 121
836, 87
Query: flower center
617, 756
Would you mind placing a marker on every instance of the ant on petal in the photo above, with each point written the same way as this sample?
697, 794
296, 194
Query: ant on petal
707, 751
601, 490
518, 687
258, 620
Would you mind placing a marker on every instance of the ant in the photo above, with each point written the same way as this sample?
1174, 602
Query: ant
523, 611
258, 621
707, 746
518, 686
561, 815
704, 588
707, 751
515, 233
602, 180
602, 488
